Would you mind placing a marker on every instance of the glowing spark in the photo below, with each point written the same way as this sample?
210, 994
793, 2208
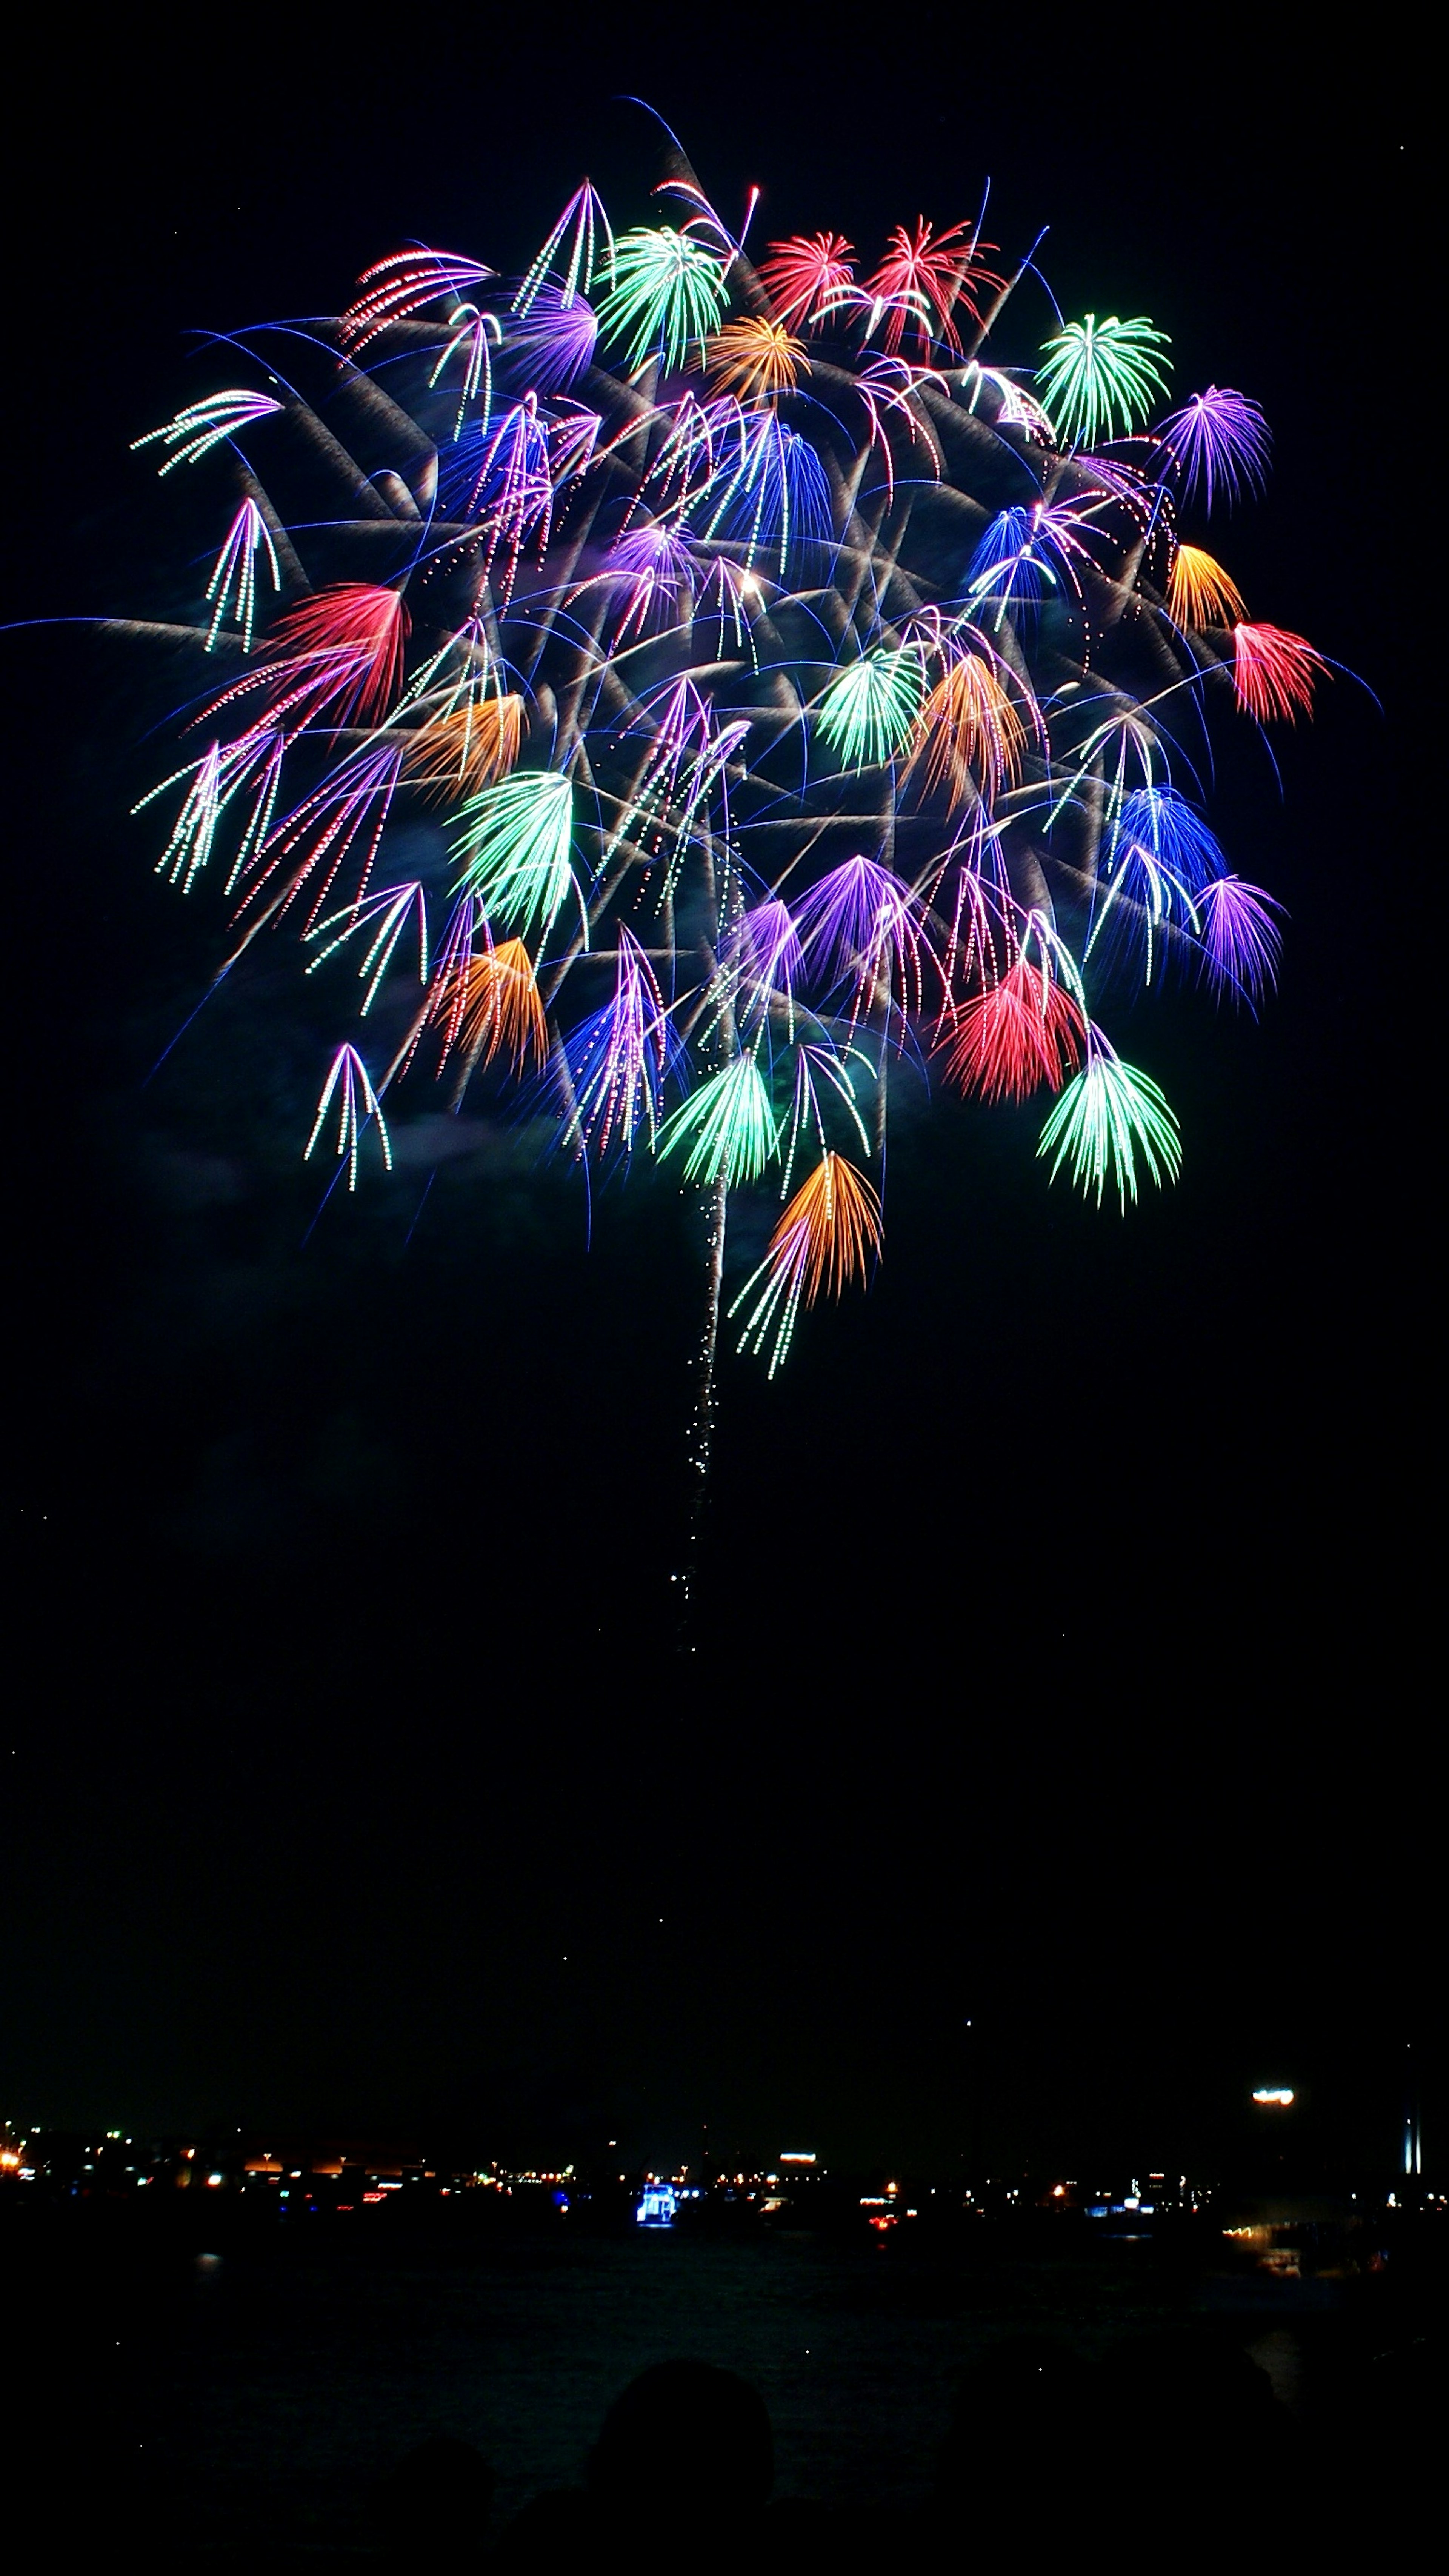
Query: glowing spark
1158, 854
765, 962
471, 336
772, 491
448, 993
861, 925
221, 774
649, 568
815, 1064
689, 450
687, 760
355, 800
1022, 552
1159, 857
554, 342
573, 435
501, 475
1161, 821
889, 384
1016, 407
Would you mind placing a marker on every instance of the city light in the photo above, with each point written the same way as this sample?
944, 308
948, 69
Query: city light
1275, 2097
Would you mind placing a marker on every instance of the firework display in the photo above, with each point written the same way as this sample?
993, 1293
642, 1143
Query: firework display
778, 687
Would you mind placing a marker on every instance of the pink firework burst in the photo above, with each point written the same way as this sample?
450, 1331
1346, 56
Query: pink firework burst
1274, 672
1021, 1032
807, 277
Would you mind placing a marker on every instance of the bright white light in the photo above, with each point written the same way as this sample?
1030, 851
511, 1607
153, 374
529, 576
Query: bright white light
1274, 2096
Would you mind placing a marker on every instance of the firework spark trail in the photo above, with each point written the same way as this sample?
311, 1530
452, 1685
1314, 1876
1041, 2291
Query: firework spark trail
746, 666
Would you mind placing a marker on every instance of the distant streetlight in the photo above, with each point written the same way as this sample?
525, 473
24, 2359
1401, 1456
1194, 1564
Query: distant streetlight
1273, 2097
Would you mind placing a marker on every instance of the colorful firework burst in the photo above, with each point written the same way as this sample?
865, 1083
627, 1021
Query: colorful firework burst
755, 673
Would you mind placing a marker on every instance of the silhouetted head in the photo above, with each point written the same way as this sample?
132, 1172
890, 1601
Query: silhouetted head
431, 2509
686, 2444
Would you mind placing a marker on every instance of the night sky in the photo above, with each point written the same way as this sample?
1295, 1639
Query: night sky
1049, 1758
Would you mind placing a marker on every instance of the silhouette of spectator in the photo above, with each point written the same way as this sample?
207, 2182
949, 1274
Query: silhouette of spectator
678, 2479
431, 2509
684, 2462
1208, 2441
685, 2440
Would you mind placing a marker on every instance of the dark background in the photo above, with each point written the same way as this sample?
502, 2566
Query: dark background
1049, 1757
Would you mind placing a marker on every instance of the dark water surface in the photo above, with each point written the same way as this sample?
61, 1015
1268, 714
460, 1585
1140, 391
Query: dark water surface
287, 2375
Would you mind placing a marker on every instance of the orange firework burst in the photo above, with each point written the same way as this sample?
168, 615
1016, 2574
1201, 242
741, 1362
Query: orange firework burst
467, 748
498, 1007
1200, 593
827, 1236
831, 1225
969, 731
755, 358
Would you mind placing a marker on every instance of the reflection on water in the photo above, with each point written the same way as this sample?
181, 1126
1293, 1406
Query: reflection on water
292, 2375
